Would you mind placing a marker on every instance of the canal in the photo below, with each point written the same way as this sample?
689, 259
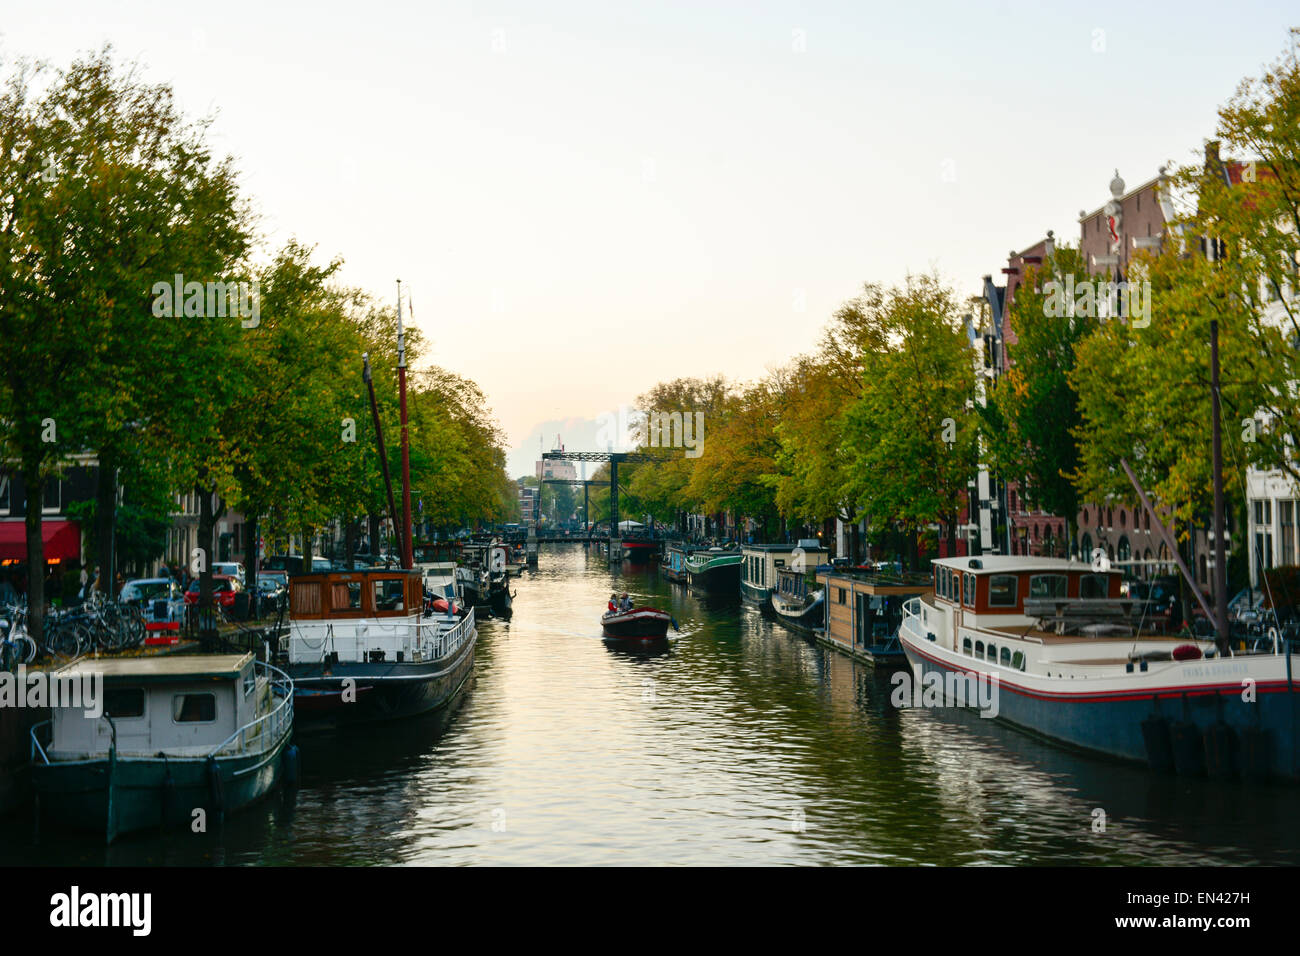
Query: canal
739, 743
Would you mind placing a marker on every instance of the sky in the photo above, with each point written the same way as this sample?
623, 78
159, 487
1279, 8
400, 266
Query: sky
586, 198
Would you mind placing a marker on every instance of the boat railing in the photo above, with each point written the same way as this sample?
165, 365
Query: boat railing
265, 732
48, 732
912, 608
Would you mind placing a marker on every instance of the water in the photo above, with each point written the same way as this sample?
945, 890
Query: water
739, 743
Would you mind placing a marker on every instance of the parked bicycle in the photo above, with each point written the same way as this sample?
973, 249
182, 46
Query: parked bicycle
17, 647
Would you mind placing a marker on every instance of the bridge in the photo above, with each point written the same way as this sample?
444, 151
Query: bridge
613, 458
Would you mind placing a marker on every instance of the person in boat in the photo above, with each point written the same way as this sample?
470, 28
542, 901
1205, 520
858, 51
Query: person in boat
613, 604
626, 604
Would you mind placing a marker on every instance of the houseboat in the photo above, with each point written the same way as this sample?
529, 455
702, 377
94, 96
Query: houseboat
640, 550
673, 566
1067, 659
484, 576
797, 605
714, 571
760, 564
864, 610
177, 733
440, 580
361, 648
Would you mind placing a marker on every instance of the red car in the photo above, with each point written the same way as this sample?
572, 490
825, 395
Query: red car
224, 589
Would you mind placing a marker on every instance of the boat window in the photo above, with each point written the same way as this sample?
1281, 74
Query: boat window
1002, 590
1005, 659
965, 645
1094, 586
1047, 586
841, 590
992, 654
194, 708
305, 598
388, 596
124, 702
1018, 660
970, 590
979, 649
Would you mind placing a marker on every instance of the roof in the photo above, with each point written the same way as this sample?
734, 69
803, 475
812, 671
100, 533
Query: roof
176, 667
778, 548
993, 563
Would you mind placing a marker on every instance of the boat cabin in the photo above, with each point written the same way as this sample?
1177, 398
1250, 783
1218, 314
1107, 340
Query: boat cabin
864, 608
761, 565
183, 705
373, 616
1000, 585
391, 592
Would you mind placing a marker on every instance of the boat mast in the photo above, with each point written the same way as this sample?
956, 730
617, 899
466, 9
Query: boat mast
405, 538
379, 438
1220, 546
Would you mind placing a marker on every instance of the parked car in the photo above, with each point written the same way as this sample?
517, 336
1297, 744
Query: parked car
272, 591
293, 564
159, 599
224, 590
280, 575
232, 568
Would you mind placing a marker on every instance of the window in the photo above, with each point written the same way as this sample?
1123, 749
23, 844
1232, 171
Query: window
1002, 590
194, 708
53, 496
1005, 659
842, 596
1018, 660
965, 645
1286, 515
1094, 586
992, 654
1125, 549
1047, 586
970, 590
4, 495
388, 595
979, 650
124, 702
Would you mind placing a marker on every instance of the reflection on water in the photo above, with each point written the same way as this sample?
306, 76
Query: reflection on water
734, 742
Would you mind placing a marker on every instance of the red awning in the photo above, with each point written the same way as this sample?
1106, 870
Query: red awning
62, 540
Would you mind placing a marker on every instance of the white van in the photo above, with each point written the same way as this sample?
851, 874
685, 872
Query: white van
232, 568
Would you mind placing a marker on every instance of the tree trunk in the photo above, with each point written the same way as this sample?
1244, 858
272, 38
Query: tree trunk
34, 485
106, 519
855, 546
374, 535
306, 550
207, 524
350, 540
252, 554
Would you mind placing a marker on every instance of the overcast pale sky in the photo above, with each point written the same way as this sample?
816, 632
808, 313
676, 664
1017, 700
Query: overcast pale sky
587, 198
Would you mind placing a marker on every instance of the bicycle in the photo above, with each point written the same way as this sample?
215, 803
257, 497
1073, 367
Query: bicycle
17, 648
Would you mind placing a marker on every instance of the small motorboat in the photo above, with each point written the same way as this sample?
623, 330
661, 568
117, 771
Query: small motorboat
638, 624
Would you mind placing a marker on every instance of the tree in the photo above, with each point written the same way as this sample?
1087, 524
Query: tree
1028, 421
909, 436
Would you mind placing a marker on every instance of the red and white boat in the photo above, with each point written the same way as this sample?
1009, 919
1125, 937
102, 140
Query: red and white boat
638, 624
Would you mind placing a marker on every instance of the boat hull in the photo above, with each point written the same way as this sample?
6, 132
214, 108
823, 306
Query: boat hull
806, 619
378, 691
638, 625
720, 579
754, 594
1203, 724
148, 793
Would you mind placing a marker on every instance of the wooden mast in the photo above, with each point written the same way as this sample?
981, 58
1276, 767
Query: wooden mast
407, 559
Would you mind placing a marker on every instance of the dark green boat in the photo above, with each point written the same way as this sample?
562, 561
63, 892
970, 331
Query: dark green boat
181, 739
